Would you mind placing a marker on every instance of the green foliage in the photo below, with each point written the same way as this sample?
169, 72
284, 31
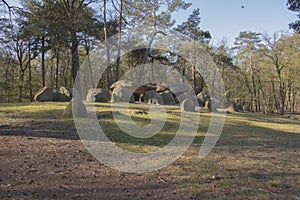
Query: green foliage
192, 29
294, 5
156, 13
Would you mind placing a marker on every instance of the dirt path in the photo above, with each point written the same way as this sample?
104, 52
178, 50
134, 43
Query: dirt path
35, 166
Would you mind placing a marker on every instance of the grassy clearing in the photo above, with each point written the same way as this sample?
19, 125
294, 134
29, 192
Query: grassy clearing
256, 157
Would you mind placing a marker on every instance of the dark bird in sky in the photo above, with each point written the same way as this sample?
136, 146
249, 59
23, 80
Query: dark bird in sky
243, 6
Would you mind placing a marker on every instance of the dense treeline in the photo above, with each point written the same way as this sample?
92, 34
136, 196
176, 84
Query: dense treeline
44, 43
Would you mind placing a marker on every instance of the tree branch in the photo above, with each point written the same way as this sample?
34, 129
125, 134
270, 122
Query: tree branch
7, 5
115, 7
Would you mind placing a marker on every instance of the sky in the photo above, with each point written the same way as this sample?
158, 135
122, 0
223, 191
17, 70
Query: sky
226, 18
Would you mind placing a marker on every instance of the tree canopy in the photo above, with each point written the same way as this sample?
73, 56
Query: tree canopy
294, 5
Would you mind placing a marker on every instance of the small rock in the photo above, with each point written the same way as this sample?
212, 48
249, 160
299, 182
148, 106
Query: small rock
188, 106
139, 112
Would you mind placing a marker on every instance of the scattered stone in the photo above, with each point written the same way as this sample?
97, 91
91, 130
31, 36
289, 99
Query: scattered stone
122, 94
139, 112
102, 96
67, 92
90, 97
181, 97
63, 94
125, 83
97, 95
78, 107
152, 97
44, 94
142, 89
160, 87
178, 89
187, 95
58, 97
168, 98
187, 106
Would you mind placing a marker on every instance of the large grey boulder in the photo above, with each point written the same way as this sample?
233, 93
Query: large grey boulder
181, 97
102, 96
187, 106
91, 94
59, 97
153, 97
67, 92
122, 94
212, 104
97, 95
125, 83
162, 87
132, 86
63, 94
44, 94
77, 106
168, 98
187, 95
178, 89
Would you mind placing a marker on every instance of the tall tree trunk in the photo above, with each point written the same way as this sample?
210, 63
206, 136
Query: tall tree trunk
258, 100
153, 74
265, 103
140, 77
293, 101
254, 97
57, 68
21, 85
119, 42
30, 73
43, 61
212, 95
108, 69
88, 60
183, 72
75, 57
282, 97
75, 64
194, 76
281, 91
274, 95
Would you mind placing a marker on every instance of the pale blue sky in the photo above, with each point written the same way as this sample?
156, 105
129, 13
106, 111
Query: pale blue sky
226, 18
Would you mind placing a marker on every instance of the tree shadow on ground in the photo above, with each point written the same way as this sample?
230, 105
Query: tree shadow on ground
234, 134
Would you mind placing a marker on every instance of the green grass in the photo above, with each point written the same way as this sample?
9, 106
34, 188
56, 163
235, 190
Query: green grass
256, 157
